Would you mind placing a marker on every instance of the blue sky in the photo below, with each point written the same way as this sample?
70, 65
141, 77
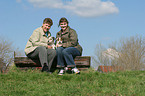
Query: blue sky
96, 21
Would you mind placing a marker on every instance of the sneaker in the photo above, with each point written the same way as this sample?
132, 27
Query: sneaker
44, 68
68, 70
76, 71
61, 72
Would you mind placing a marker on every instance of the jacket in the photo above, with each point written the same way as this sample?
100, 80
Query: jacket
38, 38
69, 39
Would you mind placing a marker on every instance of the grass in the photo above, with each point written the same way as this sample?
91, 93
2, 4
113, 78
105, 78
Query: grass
88, 83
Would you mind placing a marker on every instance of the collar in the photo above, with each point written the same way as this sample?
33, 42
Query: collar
44, 34
67, 30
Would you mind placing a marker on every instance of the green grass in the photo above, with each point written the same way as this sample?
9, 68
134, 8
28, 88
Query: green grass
88, 83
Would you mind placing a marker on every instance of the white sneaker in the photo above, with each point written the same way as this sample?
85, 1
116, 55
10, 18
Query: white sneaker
61, 72
76, 71
66, 68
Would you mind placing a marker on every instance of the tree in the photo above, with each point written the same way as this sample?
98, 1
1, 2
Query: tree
129, 54
132, 53
6, 54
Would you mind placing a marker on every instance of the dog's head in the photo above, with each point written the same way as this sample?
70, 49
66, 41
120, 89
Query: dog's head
51, 40
59, 40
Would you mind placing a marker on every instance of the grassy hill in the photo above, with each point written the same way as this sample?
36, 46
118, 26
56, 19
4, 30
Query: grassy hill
88, 83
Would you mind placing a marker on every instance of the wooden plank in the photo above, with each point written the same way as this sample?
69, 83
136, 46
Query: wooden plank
82, 62
26, 62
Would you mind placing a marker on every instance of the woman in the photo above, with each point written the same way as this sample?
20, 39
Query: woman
69, 48
38, 48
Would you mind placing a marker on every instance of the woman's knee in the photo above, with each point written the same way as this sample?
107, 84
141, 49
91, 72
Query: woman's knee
41, 48
54, 52
59, 50
65, 52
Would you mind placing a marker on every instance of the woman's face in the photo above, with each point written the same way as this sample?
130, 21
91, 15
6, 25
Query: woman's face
63, 25
46, 27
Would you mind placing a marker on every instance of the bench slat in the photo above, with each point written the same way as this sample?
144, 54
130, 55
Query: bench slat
82, 62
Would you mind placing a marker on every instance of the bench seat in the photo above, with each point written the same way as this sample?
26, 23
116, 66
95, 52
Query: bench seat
82, 62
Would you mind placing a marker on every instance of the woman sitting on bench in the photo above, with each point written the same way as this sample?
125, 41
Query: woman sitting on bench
69, 49
38, 48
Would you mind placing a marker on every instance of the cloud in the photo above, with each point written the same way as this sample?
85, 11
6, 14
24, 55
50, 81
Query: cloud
18, 1
83, 8
47, 3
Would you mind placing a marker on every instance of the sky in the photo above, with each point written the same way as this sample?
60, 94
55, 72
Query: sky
95, 21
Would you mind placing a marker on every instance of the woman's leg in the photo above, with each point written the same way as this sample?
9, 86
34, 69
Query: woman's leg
41, 54
60, 58
69, 54
51, 55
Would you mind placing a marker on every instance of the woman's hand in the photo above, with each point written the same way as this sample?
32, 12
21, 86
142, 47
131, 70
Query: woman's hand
58, 45
49, 47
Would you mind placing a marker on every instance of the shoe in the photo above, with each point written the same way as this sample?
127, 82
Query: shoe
75, 70
68, 70
61, 72
44, 68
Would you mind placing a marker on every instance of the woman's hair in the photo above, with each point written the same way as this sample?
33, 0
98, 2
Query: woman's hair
48, 21
63, 19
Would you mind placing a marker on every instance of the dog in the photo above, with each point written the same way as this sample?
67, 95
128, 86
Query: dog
58, 42
51, 42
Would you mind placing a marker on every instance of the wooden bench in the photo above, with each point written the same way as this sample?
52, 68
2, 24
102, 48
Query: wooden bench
82, 62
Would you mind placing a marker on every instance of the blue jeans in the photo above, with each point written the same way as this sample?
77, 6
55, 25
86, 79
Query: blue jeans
66, 55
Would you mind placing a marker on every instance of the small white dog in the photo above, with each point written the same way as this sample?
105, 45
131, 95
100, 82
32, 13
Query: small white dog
58, 42
51, 42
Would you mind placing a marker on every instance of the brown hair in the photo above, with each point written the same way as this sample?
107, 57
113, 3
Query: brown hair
48, 21
63, 19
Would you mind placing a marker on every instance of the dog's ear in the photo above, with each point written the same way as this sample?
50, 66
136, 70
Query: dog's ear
53, 38
58, 38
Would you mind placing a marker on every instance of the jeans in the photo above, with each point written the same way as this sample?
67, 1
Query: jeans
45, 56
66, 55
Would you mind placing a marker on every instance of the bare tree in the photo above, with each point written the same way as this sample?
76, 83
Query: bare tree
19, 52
6, 54
132, 53
97, 59
129, 54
